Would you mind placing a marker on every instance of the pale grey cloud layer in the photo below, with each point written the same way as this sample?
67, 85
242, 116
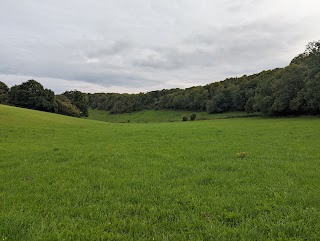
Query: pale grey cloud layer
140, 45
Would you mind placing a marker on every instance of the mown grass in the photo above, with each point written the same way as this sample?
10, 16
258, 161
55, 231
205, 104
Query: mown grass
147, 116
65, 178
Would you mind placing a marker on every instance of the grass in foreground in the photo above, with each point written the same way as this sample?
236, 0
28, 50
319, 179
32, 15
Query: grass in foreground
147, 116
65, 178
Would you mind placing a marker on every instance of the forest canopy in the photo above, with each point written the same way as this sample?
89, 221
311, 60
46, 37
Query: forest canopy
294, 89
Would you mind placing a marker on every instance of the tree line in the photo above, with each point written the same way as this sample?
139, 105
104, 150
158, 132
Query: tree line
294, 89
33, 95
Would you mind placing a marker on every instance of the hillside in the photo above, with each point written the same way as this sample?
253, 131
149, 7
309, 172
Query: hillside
292, 90
65, 178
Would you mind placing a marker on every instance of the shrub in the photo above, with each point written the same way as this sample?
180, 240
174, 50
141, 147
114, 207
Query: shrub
184, 118
193, 116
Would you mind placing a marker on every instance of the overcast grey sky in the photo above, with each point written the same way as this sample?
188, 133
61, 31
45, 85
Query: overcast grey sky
141, 45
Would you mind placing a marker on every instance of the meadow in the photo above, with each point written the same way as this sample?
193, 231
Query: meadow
64, 178
157, 116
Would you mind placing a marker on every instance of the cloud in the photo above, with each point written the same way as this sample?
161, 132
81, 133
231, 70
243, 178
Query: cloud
145, 45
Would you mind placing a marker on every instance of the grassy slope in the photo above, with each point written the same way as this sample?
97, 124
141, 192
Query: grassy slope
65, 178
147, 116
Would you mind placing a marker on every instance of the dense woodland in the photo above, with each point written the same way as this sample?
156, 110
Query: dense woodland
33, 95
292, 90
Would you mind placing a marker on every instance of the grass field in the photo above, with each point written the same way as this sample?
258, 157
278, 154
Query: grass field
64, 178
147, 116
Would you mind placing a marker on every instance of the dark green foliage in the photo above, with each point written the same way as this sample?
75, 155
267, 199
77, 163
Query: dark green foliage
310, 98
78, 99
184, 118
193, 116
32, 95
65, 107
279, 93
4, 90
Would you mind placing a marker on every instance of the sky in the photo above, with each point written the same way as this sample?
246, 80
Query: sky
142, 45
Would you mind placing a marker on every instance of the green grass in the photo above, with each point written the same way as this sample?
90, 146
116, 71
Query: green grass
147, 116
66, 178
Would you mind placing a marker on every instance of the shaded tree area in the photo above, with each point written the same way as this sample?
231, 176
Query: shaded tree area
33, 95
79, 100
231, 94
294, 89
64, 106
4, 90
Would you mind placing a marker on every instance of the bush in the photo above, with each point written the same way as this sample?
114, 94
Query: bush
184, 118
193, 116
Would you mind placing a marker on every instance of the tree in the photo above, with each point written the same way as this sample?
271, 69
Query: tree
312, 95
32, 95
313, 48
80, 100
4, 90
217, 104
65, 107
287, 88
